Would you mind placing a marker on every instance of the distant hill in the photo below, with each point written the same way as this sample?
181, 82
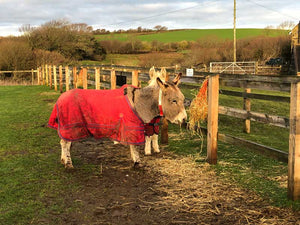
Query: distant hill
192, 34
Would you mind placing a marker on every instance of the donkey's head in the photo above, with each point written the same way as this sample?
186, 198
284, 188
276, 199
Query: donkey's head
172, 100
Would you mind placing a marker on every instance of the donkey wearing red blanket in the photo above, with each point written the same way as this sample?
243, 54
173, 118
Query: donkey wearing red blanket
117, 114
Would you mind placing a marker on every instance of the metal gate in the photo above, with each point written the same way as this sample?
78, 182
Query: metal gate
233, 67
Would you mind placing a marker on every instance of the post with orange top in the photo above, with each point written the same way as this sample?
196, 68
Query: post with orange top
212, 118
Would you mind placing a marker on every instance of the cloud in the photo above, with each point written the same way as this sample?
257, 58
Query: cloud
125, 14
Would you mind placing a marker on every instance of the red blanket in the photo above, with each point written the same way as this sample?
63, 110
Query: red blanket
79, 113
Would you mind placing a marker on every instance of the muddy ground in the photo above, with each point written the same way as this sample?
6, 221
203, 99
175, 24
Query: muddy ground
168, 189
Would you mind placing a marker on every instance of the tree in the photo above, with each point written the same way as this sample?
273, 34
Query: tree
286, 25
160, 28
15, 54
157, 27
74, 41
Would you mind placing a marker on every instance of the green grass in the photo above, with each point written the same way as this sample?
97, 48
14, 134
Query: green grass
33, 182
192, 35
265, 134
118, 59
120, 37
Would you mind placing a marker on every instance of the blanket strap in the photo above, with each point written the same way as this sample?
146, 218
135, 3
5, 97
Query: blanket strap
159, 103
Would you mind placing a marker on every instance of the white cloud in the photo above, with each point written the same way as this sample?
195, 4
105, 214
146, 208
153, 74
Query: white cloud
124, 14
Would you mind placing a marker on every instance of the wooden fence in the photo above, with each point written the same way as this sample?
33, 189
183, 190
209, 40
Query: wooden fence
15, 72
63, 78
285, 83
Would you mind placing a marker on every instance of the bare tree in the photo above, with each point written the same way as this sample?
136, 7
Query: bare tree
160, 28
286, 25
157, 27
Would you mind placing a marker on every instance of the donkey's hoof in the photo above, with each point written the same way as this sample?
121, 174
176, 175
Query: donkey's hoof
69, 166
137, 165
147, 153
157, 151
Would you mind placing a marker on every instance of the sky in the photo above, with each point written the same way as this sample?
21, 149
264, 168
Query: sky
117, 14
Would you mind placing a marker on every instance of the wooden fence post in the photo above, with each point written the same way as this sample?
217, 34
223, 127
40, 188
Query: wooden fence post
43, 74
60, 79
55, 78
97, 78
113, 79
32, 77
46, 74
294, 144
74, 72
212, 119
84, 78
247, 107
67, 76
135, 78
50, 76
38, 75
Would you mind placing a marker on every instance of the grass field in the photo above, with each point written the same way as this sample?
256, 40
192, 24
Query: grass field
33, 183
29, 189
193, 35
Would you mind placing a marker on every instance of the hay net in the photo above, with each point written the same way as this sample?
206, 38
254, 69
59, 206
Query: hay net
198, 107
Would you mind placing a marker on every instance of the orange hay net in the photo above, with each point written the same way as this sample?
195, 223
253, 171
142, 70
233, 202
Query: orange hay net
198, 107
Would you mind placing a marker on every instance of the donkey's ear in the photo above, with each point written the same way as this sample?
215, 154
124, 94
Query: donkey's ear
163, 73
151, 72
161, 84
176, 80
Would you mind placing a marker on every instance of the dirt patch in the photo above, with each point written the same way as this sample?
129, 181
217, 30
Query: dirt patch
169, 189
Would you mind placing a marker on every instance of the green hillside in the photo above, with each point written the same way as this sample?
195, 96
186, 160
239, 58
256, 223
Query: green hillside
192, 35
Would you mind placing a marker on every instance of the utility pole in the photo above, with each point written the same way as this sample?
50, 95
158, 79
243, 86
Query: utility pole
234, 32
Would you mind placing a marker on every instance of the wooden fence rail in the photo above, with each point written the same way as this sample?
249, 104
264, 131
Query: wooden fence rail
32, 71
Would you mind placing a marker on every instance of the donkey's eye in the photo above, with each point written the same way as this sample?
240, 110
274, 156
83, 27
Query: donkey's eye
174, 101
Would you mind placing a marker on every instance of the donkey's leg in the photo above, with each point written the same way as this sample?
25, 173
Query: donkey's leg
135, 155
147, 145
155, 146
65, 153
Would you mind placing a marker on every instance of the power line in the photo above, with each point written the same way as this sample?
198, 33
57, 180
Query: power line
270, 9
158, 15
